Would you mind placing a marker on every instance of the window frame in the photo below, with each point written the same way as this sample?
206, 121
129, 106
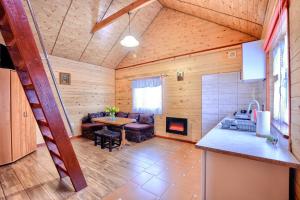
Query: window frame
272, 42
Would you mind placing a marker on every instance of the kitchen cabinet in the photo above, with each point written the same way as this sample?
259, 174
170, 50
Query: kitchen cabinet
18, 126
238, 165
254, 61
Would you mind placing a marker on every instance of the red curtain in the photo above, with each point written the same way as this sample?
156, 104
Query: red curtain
280, 11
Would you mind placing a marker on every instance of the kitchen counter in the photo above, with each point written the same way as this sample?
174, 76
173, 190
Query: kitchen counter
246, 145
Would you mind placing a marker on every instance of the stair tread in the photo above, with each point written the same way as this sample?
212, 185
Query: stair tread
3, 19
29, 86
42, 122
53, 149
46, 132
36, 105
12, 42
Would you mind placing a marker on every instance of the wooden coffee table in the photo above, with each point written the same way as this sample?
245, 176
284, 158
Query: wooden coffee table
117, 121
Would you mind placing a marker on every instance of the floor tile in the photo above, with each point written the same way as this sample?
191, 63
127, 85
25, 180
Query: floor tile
142, 178
154, 169
156, 186
176, 193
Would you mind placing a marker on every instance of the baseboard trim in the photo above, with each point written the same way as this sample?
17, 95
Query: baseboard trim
176, 139
71, 138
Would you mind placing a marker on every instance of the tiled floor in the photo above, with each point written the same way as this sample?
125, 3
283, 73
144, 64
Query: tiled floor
155, 169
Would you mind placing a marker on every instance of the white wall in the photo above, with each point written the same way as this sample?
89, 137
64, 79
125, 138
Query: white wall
223, 94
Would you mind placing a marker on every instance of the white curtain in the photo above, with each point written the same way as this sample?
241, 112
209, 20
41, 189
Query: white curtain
147, 95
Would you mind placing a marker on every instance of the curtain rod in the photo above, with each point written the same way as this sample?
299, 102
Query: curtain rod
145, 77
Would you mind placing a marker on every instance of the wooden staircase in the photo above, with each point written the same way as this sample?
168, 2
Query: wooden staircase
19, 39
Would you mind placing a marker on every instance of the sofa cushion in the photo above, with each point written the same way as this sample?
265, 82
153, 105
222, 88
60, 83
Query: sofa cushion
96, 115
86, 119
122, 114
134, 116
138, 126
146, 119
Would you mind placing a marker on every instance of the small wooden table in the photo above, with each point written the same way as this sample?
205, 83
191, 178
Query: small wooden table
117, 121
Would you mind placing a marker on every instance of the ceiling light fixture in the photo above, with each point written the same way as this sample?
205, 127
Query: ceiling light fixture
129, 40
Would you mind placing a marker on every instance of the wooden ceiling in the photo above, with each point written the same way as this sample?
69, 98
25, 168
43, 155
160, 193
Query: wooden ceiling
243, 15
66, 28
66, 25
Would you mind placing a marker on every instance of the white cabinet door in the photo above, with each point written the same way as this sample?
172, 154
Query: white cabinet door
254, 61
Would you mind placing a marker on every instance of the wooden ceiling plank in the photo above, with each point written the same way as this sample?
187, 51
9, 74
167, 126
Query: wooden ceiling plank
211, 12
131, 7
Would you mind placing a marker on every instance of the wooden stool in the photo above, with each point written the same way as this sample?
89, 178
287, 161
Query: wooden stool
108, 139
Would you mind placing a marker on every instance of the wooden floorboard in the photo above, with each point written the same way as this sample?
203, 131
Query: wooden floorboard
154, 169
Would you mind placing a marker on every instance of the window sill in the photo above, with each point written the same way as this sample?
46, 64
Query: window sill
283, 129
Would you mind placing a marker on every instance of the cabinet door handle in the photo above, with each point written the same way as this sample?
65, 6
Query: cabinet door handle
24, 114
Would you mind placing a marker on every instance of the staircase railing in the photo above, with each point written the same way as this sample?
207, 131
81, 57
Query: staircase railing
49, 64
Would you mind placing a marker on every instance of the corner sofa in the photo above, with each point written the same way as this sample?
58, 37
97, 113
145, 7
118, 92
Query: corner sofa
142, 130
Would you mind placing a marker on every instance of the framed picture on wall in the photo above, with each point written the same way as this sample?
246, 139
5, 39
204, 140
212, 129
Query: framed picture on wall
64, 78
180, 76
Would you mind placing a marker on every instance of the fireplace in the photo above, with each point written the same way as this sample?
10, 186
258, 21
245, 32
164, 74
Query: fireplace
176, 125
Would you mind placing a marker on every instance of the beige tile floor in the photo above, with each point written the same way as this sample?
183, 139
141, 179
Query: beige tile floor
154, 169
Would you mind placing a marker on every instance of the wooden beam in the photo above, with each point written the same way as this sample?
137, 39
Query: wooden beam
131, 7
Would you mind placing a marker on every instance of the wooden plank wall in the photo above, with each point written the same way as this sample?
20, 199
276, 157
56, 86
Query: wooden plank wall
181, 98
173, 33
92, 88
295, 83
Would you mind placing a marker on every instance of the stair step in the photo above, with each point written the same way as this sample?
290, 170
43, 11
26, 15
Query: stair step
29, 87
35, 105
5, 28
3, 19
47, 134
42, 122
53, 149
11, 42
62, 168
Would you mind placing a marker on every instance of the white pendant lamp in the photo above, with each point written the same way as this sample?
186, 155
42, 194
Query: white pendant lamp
129, 40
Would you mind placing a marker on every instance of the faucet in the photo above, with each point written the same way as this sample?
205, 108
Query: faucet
251, 103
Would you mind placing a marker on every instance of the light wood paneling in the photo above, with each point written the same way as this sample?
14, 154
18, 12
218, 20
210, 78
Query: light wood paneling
76, 30
22, 121
173, 33
295, 83
5, 125
50, 16
139, 25
269, 13
92, 88
66, 28
137, 4
243, 15
180, 98
104, 48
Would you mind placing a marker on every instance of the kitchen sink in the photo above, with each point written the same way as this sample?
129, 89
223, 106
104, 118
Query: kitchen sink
238, 124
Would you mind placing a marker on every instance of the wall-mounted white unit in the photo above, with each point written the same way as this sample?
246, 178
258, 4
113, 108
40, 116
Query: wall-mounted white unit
254, 61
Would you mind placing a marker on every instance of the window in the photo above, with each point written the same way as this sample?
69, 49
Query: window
280, 80
147, 95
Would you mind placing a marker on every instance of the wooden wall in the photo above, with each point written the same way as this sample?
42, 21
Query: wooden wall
295, 83
183, 98
173, 33
92, 88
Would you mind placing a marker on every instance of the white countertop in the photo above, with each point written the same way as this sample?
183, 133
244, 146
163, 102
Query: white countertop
247, 145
